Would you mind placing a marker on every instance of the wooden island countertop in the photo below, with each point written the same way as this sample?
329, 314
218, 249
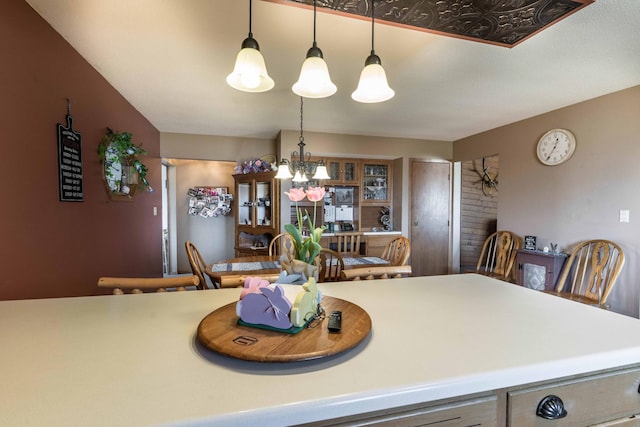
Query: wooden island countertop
134, 360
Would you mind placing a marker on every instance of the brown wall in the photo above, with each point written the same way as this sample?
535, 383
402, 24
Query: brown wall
49, 248
580, 199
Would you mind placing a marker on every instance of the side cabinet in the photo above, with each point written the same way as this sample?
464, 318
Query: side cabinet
539, 270
257, 210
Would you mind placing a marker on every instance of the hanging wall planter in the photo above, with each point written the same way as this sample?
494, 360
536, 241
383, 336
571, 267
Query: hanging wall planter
123, 172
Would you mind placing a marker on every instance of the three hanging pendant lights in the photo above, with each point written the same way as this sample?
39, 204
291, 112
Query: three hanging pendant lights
250, 73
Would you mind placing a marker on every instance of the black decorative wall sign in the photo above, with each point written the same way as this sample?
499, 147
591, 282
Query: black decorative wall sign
70, 163
530, 243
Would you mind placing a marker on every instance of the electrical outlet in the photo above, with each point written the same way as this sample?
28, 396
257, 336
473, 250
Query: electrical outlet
155, 211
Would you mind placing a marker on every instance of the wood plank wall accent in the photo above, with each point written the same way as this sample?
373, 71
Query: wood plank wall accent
478, 213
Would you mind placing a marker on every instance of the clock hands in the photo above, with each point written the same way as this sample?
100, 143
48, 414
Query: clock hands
554, 148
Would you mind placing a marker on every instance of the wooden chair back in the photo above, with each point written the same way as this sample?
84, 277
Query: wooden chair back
370, 273
498, 255
331, 265
397, 251
137, 285
198, 266
349, 243
282, 243
591, 272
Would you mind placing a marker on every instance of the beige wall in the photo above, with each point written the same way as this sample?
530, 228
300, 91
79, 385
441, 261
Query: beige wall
211, 147
580, 199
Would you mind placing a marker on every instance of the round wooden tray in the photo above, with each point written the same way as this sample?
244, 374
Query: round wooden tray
220, 332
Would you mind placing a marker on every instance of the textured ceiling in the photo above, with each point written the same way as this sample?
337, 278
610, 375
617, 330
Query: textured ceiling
502, 22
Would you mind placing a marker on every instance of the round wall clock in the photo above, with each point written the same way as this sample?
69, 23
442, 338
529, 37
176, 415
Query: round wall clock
556, 146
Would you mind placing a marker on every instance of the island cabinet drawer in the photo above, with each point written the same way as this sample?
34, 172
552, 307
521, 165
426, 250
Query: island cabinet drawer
595, 399
480, 412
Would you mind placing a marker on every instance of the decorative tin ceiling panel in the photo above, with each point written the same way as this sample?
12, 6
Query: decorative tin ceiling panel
502, 22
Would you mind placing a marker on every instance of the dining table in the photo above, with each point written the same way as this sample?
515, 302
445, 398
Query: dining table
268, 266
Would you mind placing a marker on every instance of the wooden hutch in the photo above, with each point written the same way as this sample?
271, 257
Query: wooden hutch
257, 212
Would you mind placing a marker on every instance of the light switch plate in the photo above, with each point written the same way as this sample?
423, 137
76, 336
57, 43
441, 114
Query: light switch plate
624, 215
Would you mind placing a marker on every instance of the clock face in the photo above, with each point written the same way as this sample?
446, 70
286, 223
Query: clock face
556, 146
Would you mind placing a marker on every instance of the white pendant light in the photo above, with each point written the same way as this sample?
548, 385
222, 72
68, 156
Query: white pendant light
373, 86
314, 80
250, 73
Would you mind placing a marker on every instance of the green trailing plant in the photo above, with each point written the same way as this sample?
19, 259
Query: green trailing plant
119, 147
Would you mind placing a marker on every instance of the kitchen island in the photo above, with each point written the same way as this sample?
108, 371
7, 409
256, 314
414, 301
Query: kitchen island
454, 343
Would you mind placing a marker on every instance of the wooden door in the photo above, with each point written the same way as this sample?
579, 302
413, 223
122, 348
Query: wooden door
430, 191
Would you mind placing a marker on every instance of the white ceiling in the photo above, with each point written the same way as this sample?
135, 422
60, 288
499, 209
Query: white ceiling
169, 58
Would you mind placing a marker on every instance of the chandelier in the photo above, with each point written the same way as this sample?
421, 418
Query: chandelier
302, 167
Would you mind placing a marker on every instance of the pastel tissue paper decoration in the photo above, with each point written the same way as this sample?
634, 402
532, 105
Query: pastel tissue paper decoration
306, 304
264, 305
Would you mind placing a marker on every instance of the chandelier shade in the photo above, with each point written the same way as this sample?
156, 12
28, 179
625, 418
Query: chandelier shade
250, 72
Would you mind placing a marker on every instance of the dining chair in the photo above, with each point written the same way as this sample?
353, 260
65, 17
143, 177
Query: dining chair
198, 266
137, 285
331, 265
381, 272
397, 251
591, 272
282, 243
349, 243
498, 255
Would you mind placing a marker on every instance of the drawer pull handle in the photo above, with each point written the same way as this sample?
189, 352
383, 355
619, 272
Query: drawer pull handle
551, 408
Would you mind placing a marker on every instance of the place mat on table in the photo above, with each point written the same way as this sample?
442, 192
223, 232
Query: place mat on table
364, 260
245, 266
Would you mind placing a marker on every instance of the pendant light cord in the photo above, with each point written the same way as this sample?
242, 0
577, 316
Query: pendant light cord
250, 15
314, 23
373, 2
301, 140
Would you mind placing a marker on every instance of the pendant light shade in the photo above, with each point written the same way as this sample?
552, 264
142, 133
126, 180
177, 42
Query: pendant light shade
314, 80
373, 86
250, 73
